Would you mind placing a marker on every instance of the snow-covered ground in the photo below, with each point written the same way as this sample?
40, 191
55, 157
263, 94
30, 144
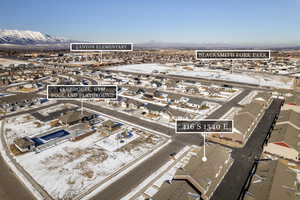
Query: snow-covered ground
70, 168
249, 78
6, 62
166, 172
143, 68
24, 125
52, 109
263, 80
110, 143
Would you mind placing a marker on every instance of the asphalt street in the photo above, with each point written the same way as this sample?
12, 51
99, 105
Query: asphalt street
132, 179
10, 186
244, 158
228, 105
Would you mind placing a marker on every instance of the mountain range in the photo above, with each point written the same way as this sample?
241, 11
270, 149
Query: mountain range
17, 37
34, 39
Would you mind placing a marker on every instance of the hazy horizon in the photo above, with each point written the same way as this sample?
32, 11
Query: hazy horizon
194, 22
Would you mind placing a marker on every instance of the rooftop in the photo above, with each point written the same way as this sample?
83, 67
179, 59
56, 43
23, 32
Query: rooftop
198, 175
273, 181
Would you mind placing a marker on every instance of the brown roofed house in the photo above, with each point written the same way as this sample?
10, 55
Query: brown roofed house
198, 177
273, 180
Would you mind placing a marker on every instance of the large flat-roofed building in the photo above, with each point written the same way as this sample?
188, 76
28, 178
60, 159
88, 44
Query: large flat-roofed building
198, 178
273, 180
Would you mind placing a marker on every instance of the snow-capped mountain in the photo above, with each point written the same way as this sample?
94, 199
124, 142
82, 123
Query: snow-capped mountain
28, 38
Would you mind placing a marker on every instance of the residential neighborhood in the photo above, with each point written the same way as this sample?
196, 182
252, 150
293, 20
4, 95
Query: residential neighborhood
149, 100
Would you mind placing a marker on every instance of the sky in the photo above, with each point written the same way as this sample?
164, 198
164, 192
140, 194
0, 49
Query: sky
140, 21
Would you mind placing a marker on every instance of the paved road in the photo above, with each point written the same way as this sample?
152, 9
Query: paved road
244, 158
129, 118
10, 187
31, 110
228, 105
126, 183
122, 186
198, 99
203, 80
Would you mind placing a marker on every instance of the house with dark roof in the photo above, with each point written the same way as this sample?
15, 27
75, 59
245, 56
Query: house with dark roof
195, 103
153, 108
151, 93
74, 117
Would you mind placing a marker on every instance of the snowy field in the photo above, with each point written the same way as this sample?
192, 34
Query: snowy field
24, 125
143, 68
111, 144
6, 62
250, 78
75, 167
49, 110
263, 80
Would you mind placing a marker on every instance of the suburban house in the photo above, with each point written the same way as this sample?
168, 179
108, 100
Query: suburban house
156, 83
166, 111
132, 91
197, 179
195, 103
74, 117
284, 141
173, 114
130, 103
170, 84
111, 125
151, 93
153, 108
273, 180
17, 100
24, 144
191, 90
173, 98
